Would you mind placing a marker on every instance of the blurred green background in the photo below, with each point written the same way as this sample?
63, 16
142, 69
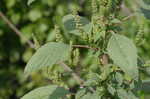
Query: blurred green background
40, 18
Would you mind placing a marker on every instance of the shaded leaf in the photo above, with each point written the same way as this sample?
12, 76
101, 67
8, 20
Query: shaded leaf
146, 12
124, 54
47, 92
48, 55
145, 86
70, 24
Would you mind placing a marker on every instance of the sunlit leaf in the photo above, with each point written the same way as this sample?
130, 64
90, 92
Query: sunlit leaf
48, 55
124, 54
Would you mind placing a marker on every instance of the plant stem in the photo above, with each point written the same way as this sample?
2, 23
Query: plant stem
85, 46
12, 26
128, 17
74, 75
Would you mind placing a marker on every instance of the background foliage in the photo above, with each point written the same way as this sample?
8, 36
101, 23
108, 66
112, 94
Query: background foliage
40, 19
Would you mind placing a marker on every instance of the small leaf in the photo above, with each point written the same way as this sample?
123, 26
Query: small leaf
70, 24
124, 54
93, 79
115, 21
48, 55
105, 72
119, 78
111, 89
131, 95
47, 92
122, 94
80, 93
30, 1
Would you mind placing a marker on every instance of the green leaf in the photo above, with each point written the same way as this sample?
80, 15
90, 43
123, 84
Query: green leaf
48, 55
30, 1
111, 89
115, 21
119, 78
147, 69
47, 92
122, 94
131, 95
105, 72
124, 54
80, 93
70, 24
145, 86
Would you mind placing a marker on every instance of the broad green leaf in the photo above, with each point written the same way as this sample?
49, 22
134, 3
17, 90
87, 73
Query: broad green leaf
48, 55
30, 1
70, 24
47, 92
124, 54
